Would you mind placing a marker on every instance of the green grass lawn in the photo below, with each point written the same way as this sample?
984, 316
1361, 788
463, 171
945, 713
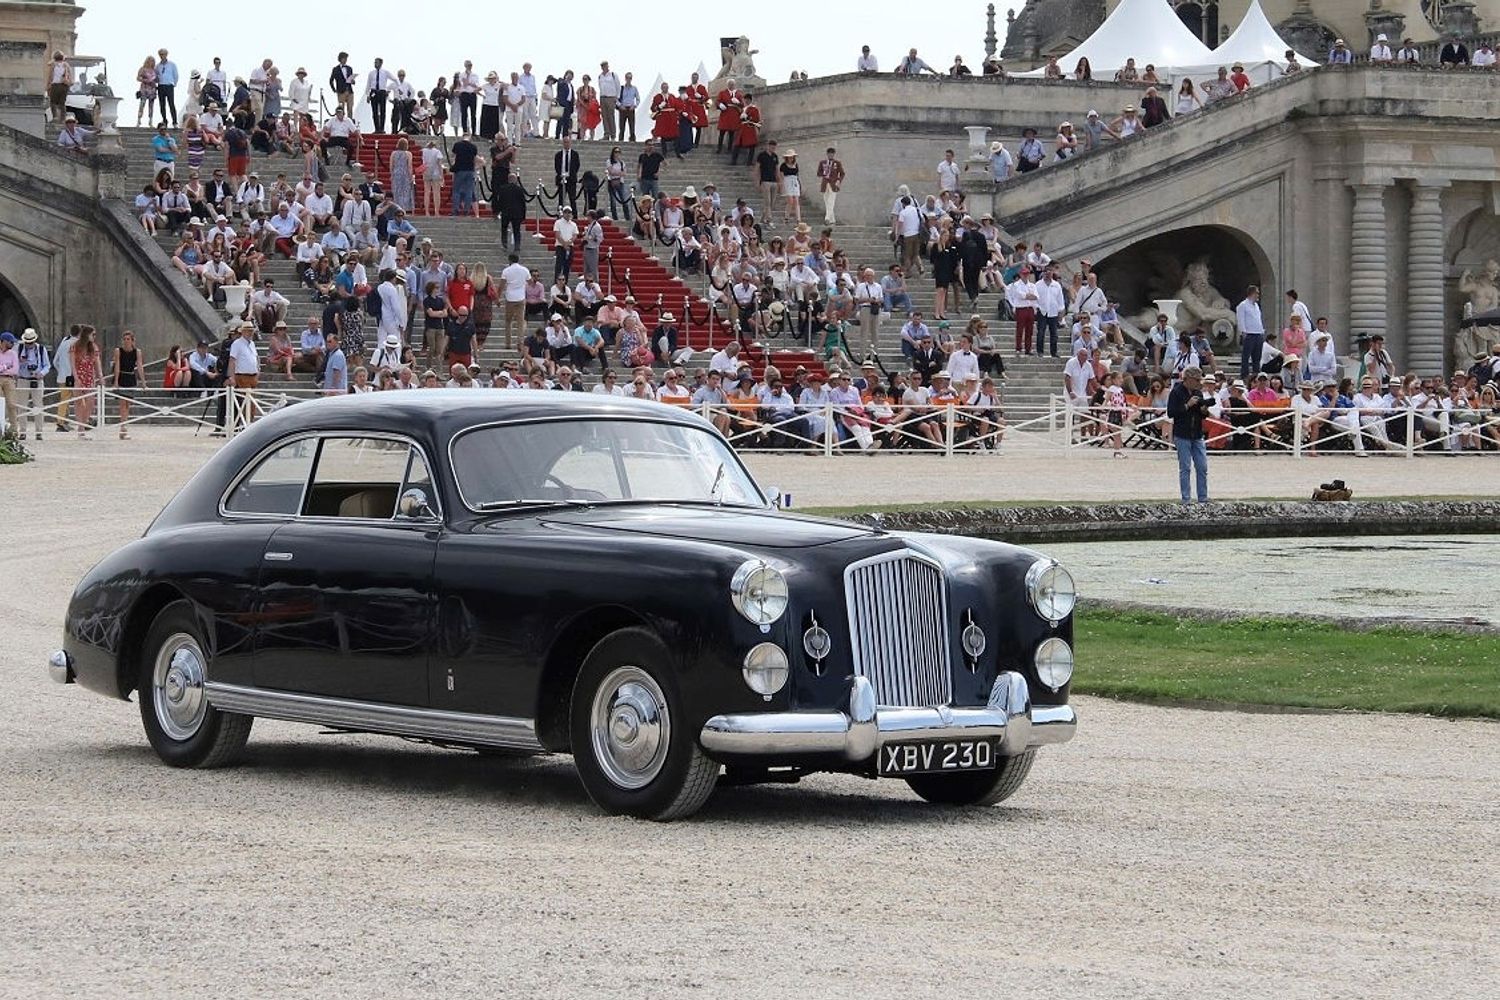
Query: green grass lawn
1155, 657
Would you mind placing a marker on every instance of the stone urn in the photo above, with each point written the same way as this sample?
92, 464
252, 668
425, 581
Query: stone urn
979, 142
235, 297
108, 114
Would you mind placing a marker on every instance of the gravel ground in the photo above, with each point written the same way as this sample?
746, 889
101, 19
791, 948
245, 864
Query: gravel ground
1162, 853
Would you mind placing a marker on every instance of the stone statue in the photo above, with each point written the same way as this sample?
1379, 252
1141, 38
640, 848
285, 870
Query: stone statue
1483, 291
738, 66
1201, 304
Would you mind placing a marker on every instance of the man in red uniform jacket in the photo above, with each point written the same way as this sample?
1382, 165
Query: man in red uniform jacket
698, 108
748, 135
664, 111
730, 103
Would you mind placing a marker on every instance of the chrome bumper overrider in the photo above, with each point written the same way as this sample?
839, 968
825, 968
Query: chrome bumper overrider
859, 733
60, 667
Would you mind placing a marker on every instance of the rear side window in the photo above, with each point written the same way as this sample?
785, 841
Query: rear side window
276, 485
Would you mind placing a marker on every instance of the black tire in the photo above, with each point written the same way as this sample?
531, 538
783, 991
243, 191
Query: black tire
975, 788
214, 738
683, 778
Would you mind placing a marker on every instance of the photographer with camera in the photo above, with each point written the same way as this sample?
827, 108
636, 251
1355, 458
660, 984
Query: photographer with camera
1187, 406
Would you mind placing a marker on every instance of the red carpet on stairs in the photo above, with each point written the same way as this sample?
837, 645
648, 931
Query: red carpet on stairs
655, 288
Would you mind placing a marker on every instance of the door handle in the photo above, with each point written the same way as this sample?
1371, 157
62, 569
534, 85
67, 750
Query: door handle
278, 557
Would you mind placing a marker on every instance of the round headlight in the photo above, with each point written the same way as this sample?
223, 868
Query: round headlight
1050, 589
1054, 663
973, 640
759, 592
765, 668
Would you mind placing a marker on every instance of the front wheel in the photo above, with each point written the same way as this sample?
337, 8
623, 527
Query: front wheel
631, 746
975, 788
184, 729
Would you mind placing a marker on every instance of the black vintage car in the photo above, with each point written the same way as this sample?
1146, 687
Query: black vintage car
531, 572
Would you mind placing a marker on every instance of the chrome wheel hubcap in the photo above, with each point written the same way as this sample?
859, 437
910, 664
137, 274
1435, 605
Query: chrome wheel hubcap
630, 727
177, 687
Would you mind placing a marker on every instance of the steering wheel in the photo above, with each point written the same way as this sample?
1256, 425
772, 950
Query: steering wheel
564, 488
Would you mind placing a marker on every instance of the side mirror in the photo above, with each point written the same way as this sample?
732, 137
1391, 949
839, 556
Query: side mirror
777, 499
413, 505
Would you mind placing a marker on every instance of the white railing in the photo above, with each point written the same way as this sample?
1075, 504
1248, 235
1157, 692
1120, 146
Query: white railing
1408, 432
829, 429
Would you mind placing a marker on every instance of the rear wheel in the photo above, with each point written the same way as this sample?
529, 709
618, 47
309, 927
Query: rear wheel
184, 729
975, 788
630, 744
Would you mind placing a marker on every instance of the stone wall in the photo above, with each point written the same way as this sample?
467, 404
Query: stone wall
73, 254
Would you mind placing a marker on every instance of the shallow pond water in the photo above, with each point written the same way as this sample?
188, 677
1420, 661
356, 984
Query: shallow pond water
1428, 578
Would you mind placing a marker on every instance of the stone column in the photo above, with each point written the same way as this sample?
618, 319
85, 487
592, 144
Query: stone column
1367, 256
1426, 325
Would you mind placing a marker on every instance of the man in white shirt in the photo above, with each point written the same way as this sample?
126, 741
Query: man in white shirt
1051, 301
1252, 332
340, 131
948, 172
403, 102
214, 273
1322, 362
1023, 298
319, 207
513, 100
565, 232
468, 100
1381, 52
377, 88
244, 362
869, 300
528, 84
726, 361
1371, 407
963, 364
335, 242
909, 232
267, 306
1077, 374
867, 62
287, 227
393, 306
217, 78
914, 65
514, 277
609, 98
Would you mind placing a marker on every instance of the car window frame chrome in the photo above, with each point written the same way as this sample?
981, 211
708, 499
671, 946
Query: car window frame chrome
320, 436
573, 418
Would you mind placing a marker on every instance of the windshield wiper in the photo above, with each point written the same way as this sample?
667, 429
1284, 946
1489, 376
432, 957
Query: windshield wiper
494, 505
713, 491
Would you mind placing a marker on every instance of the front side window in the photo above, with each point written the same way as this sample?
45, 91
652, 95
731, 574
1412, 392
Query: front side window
360, 477
598, 461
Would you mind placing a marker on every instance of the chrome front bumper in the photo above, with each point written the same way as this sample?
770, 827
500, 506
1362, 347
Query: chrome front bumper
859, 733
60, 667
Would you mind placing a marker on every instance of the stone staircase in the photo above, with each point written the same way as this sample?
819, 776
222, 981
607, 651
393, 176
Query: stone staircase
645, 272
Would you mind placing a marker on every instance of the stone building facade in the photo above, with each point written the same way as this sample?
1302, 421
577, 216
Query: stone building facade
1040, 28
1369, 190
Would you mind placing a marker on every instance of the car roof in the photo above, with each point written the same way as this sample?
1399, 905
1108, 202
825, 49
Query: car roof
447, 411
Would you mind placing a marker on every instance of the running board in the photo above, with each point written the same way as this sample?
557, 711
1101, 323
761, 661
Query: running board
373, 717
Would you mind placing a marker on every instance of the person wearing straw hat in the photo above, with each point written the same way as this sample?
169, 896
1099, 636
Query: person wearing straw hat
1002, 164
33, 362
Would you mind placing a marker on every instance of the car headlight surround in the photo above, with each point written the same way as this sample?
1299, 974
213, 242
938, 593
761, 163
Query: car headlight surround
1051, 590
759, 592
766, 669
1054, 662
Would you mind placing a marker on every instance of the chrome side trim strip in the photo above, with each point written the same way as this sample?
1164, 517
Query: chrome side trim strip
394, 720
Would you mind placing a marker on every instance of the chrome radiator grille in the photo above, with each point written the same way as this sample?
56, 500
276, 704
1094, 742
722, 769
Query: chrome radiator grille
898, 626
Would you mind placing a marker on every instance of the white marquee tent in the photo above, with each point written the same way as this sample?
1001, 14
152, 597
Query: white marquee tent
1148, 31
1254, 44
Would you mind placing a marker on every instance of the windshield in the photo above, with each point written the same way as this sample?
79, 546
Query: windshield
598, 461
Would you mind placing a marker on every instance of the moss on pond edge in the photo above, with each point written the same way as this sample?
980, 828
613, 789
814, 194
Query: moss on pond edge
1159, 658
1040, 522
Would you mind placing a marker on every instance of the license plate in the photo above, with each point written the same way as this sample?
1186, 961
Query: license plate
936, 756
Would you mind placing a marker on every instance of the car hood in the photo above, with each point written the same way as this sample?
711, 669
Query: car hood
723, 525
